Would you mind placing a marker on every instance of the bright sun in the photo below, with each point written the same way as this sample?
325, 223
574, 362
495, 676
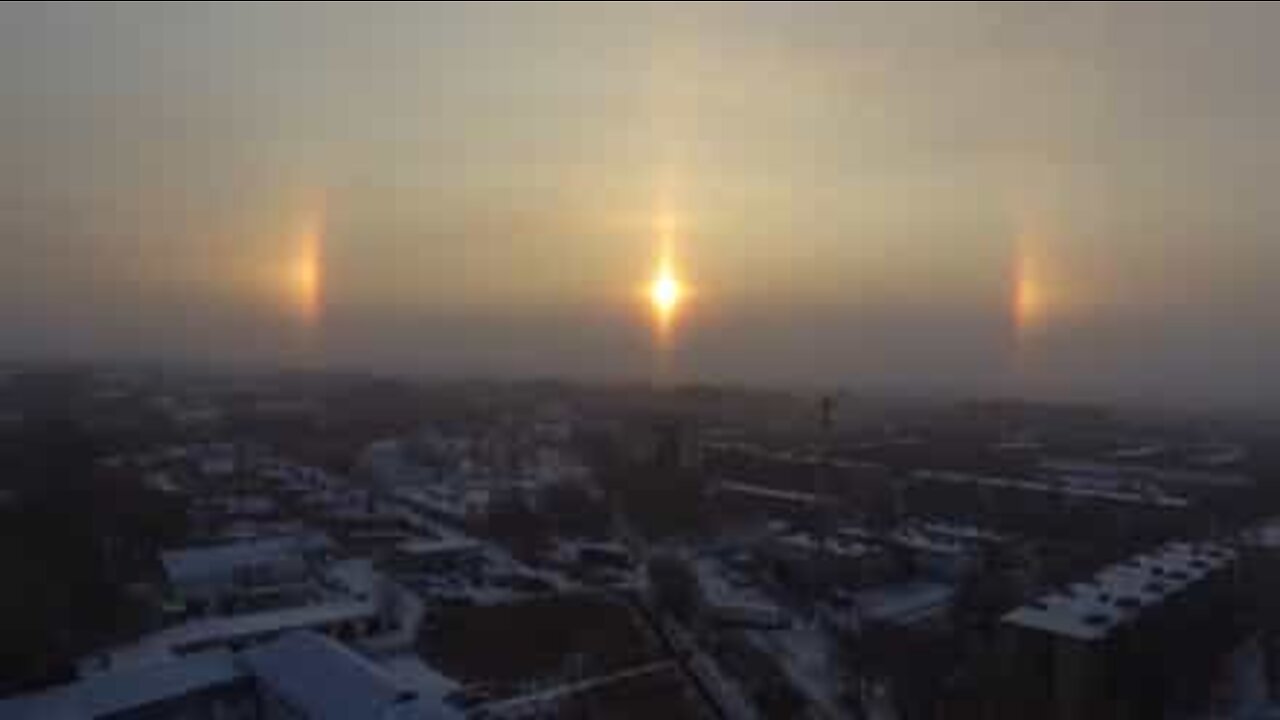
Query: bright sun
665, 292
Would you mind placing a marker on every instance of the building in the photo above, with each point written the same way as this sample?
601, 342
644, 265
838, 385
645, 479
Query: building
1136, 638
204, 685
205, 578
937, 553
306, 676
843, 559
442, 553
299, 676
905, 605
1260, 548
730, 597
348, 600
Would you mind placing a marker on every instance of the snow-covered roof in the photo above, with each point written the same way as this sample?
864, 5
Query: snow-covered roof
769, 493
906, 603
1139, 452
1120, 593
132, 688
410, 671
1062, 486
323, 680
726, 592
915, 539
1174, 475
836, 545
200, 564
315, 676
357, 576
1220, 455
423, 547
970, 533
224, 630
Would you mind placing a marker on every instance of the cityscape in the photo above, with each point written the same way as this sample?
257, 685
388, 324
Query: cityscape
352, 546
639, 361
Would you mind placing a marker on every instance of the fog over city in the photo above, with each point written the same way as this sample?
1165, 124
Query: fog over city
1051, 200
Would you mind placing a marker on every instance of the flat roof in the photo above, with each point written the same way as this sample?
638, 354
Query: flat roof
906, 603
194, 564
427, 546
167, 642
328, 681
834, 545
1120, 593
1060, 486
764, 491
128, 689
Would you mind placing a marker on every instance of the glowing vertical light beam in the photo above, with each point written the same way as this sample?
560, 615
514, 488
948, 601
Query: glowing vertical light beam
1028, 301
666, 292
306, 272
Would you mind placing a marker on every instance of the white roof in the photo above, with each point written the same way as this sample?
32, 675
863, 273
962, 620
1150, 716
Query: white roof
446, 545
130, 689
357, 576
723, 590
833, 545
1120, 593
200, 563
764, 491
914, 539
1062, 486
961, 532
219, 630
410, 671
905, 603
1187, 476
323, 680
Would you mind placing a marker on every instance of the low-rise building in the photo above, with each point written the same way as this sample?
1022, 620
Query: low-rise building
298, 676
205, 578
1126, 641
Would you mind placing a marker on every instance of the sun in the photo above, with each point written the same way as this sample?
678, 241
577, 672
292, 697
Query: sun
665, 293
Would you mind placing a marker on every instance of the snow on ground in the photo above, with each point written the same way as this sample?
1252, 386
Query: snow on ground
728, 691
547, 699
806, 654
410, 671
496, 579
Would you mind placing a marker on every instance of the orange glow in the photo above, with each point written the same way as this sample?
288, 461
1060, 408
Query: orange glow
306, 275
665, 294
1030, 292
1028, 301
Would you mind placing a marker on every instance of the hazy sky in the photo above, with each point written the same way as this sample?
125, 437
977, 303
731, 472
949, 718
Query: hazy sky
1056, 199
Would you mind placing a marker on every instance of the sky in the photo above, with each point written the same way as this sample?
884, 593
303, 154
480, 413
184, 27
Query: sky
1059, 200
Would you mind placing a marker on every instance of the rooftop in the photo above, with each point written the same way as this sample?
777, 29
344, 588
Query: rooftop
324, 680
317, 677
906, 603
220, 630
135, 687
1118, 594
769, 493
836, 546
196, 564
1064, 486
